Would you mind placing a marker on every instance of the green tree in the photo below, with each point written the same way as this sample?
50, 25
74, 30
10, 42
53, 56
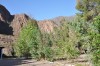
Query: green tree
47, 52
28, 41
88, 8
81, 29
65, 45
94, 34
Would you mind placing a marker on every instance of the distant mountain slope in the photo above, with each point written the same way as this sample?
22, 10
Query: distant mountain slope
48, 25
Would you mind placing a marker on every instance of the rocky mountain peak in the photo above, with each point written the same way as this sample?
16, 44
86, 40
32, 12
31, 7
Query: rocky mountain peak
4, 14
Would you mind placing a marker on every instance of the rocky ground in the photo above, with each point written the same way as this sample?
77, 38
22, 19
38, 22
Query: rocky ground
80, 61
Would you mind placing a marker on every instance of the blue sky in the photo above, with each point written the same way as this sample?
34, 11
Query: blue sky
41, 9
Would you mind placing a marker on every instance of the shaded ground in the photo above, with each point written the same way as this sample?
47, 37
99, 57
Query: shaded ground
22, 62
16, 62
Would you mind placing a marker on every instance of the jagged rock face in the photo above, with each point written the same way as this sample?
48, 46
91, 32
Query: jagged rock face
18, 22
46, 26
10, 27
49, 25
4, 17
4, 14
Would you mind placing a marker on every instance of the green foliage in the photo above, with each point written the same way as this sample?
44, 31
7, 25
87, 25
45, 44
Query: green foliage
32, 43
90, 11
35, 43
81, 31
88, 8
46, 51
65, 45
95, 41
88, 35
61, 43
28, 41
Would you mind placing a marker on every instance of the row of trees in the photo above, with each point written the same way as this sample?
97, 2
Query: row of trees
52, 46
82, 33
63, 42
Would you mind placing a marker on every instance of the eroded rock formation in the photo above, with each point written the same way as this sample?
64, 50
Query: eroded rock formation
10, 26
46, 26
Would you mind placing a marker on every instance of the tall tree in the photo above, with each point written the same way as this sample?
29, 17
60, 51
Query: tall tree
28, 41
88, 8
95, 41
